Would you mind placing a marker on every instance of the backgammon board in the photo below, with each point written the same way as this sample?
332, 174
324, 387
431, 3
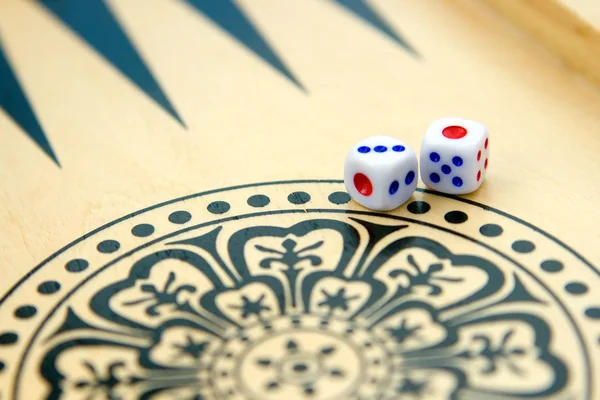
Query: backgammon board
173, 223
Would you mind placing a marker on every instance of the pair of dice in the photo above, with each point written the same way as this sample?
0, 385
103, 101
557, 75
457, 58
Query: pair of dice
381, 172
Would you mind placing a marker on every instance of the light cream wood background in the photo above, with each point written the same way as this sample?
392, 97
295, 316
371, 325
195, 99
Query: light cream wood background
119, 152
568, 28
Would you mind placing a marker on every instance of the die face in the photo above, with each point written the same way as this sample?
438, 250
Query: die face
456, 132
381, 179
380, 150
454, 155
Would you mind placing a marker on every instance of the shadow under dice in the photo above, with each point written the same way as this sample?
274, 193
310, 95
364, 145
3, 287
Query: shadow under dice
454, 155
381, 173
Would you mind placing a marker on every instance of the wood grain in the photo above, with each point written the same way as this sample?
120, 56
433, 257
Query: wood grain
569, 28
245, 124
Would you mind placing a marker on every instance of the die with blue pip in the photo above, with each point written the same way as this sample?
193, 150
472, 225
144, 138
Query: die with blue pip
454, 155
381, 172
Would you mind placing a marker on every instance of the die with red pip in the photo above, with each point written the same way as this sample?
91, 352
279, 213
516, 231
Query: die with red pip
381, 172
454, 155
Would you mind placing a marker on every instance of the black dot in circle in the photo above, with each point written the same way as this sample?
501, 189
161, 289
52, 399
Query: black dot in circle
108, 246
491, 230
48, 287
180, 217
218, 207
300, 367
576, 288
456, 217
419, 207
299, 198
142, 230
76, 265
2, 365
258, 200
8, 338
552, 266
523, 246
339, 198
25, 312
592, 312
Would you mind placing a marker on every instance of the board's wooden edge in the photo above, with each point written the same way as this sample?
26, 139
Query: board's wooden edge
560, 29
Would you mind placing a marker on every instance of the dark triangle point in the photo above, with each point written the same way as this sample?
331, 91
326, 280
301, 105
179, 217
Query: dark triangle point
14, 101
362, 10
95, 23
227, 15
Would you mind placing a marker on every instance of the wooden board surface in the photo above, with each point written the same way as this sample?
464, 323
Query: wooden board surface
568, 28
173, 224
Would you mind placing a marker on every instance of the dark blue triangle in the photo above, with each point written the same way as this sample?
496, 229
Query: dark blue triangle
14, 102
232, 19
93, 21
369, 15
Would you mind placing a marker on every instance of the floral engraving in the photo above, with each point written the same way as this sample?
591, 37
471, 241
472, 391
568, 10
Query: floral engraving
278, 317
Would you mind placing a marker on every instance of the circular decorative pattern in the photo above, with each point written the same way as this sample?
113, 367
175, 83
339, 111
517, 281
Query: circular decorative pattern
457, 181
274, 302
456, 217
303, 197
380, 149
258, 200
76, 265
491, 230
433, 156
479, 155
142, 230
446, 169
418, 207
576, 288
8, 338
307, 358
108, 246
398, 148
25, 312
339, 198
523, 246
48, 287
180, 217
552, 266
435, 178
454, 132
364, 149
218, 207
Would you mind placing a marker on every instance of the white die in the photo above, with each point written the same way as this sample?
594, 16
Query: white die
381, 172
454, 155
